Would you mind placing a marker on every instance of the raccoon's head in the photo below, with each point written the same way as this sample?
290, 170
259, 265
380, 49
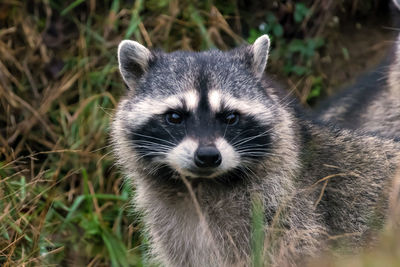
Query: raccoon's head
197, 114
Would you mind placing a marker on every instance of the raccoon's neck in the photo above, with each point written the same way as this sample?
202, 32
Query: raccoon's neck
214, 228
190, 228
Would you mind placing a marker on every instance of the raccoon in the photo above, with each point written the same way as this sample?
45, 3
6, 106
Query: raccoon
202, 136
373, 103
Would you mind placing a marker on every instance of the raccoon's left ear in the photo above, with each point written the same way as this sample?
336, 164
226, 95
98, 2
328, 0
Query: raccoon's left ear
133, 61
260, 50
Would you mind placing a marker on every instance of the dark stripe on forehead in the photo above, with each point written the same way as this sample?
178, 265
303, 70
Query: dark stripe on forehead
203, 84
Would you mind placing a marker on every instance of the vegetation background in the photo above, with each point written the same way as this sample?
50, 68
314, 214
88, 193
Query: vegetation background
62, 200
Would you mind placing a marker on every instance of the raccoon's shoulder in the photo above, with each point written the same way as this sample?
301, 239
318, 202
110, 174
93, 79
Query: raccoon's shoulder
324, 145
372, 103
346, 107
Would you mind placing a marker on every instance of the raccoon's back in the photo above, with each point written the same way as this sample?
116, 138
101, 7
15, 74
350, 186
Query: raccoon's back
371, 105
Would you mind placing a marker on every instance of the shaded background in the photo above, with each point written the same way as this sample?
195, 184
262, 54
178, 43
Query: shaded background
62, 200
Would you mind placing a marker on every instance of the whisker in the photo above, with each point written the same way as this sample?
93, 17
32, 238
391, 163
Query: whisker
252, 150
252, 146
151, 144
151, 153
248, 139
226, 128
155, 138
239, 134
169, 133
150, 149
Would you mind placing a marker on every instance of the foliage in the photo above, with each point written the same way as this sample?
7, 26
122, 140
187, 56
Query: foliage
297, 54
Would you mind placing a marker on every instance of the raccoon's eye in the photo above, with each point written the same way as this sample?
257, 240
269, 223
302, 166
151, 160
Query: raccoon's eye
231, 118
173, 118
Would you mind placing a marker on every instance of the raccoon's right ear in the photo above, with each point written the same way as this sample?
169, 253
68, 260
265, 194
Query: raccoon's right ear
133, 61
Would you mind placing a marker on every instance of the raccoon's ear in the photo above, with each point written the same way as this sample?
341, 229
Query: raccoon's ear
260, 50
133, 61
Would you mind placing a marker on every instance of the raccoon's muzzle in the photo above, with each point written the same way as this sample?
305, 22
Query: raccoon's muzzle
207, 157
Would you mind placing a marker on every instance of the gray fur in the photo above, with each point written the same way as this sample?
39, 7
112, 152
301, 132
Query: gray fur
316, 181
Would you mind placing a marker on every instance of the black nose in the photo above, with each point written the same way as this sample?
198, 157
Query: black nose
207, 157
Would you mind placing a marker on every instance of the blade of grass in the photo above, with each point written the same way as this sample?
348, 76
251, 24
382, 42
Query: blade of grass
71, 6
199, 21
135, 21
115, 248
257, 234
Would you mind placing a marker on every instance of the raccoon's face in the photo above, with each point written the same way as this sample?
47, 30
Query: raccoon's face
201, 115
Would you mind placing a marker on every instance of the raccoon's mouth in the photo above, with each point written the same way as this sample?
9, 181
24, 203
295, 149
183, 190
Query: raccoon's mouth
204, 173
201, 173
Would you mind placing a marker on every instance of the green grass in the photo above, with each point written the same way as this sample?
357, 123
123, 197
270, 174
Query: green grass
257, 233
63, 200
